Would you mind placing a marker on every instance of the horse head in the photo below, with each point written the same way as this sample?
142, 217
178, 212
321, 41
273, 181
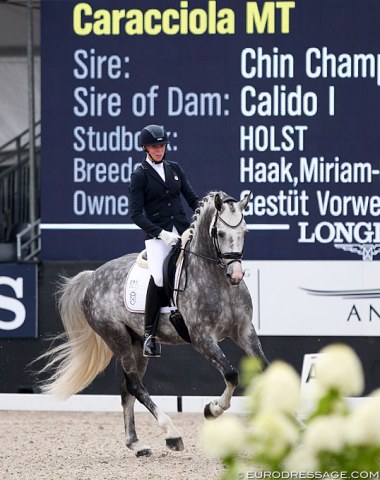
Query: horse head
228, 230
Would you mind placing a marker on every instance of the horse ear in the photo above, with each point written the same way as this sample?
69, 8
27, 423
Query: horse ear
244, 202
218, 202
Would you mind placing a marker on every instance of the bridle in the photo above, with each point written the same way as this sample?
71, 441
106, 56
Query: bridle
232, 256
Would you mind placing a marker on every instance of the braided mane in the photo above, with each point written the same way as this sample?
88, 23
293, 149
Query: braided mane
205, 209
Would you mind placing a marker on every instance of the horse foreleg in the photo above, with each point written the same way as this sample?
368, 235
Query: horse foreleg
218, 406
212, 352
249, 342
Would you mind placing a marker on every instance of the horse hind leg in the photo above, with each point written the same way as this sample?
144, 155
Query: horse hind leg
128, 402
131, 439
173, 438
132, 388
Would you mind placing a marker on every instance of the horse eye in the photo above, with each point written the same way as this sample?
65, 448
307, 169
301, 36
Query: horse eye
221, 234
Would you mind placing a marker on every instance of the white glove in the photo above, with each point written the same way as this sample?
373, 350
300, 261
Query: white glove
169, 238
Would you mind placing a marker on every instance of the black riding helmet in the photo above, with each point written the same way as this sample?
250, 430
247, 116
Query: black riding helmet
153, 135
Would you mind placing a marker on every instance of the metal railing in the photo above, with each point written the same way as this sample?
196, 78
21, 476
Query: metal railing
28, 243
15, 195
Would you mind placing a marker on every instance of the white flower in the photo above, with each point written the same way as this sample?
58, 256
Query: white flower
375, 393
301, 459
327, 433
278, 388
273, 433
223, 437
339, 367
363, 425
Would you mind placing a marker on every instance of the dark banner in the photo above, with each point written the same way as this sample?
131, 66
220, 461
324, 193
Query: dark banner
278, 98
18, 301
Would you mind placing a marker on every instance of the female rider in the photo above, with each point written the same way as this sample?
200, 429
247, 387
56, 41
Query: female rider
156, 207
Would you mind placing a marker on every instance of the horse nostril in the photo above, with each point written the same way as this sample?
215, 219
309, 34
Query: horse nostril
235, 281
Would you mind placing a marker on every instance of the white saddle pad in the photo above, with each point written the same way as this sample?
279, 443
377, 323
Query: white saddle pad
136, 285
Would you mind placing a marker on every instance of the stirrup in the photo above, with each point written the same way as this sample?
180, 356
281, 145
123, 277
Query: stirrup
151, 347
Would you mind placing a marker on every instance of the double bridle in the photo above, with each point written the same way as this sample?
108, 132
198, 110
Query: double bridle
232, 256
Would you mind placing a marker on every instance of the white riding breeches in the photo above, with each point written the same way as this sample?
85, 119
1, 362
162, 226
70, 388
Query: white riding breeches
157, 251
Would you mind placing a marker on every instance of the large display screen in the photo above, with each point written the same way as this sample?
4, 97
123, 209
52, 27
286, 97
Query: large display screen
279, 98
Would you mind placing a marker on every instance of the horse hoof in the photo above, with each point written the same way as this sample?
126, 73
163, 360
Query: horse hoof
175, 444
145, 452
208, 413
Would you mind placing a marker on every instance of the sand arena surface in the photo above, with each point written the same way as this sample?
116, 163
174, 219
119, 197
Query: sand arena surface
90, 446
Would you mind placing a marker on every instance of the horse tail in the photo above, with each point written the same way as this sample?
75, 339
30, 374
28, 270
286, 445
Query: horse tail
83, 354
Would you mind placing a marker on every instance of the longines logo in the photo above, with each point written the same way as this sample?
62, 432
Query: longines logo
361, 238
368, 313
366, 250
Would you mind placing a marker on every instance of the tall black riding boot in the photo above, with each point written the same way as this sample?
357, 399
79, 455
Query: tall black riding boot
151, 346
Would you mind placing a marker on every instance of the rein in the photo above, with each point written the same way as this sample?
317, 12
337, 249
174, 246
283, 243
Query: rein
201, 256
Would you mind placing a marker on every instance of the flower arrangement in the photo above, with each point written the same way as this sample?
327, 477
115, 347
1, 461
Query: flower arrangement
333, 440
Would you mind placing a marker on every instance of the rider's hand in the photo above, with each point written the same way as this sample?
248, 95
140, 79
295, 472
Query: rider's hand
169, 238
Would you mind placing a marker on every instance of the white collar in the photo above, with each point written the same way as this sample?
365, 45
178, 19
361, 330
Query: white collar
159, 167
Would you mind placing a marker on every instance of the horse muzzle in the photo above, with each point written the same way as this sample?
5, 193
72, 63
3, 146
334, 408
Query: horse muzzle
235, 272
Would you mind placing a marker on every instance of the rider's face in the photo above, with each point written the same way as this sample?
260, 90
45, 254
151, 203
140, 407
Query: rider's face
156, 152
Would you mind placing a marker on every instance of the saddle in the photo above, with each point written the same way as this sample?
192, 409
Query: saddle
137, 282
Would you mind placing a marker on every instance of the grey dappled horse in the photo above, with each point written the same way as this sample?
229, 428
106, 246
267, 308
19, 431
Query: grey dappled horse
215, 303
